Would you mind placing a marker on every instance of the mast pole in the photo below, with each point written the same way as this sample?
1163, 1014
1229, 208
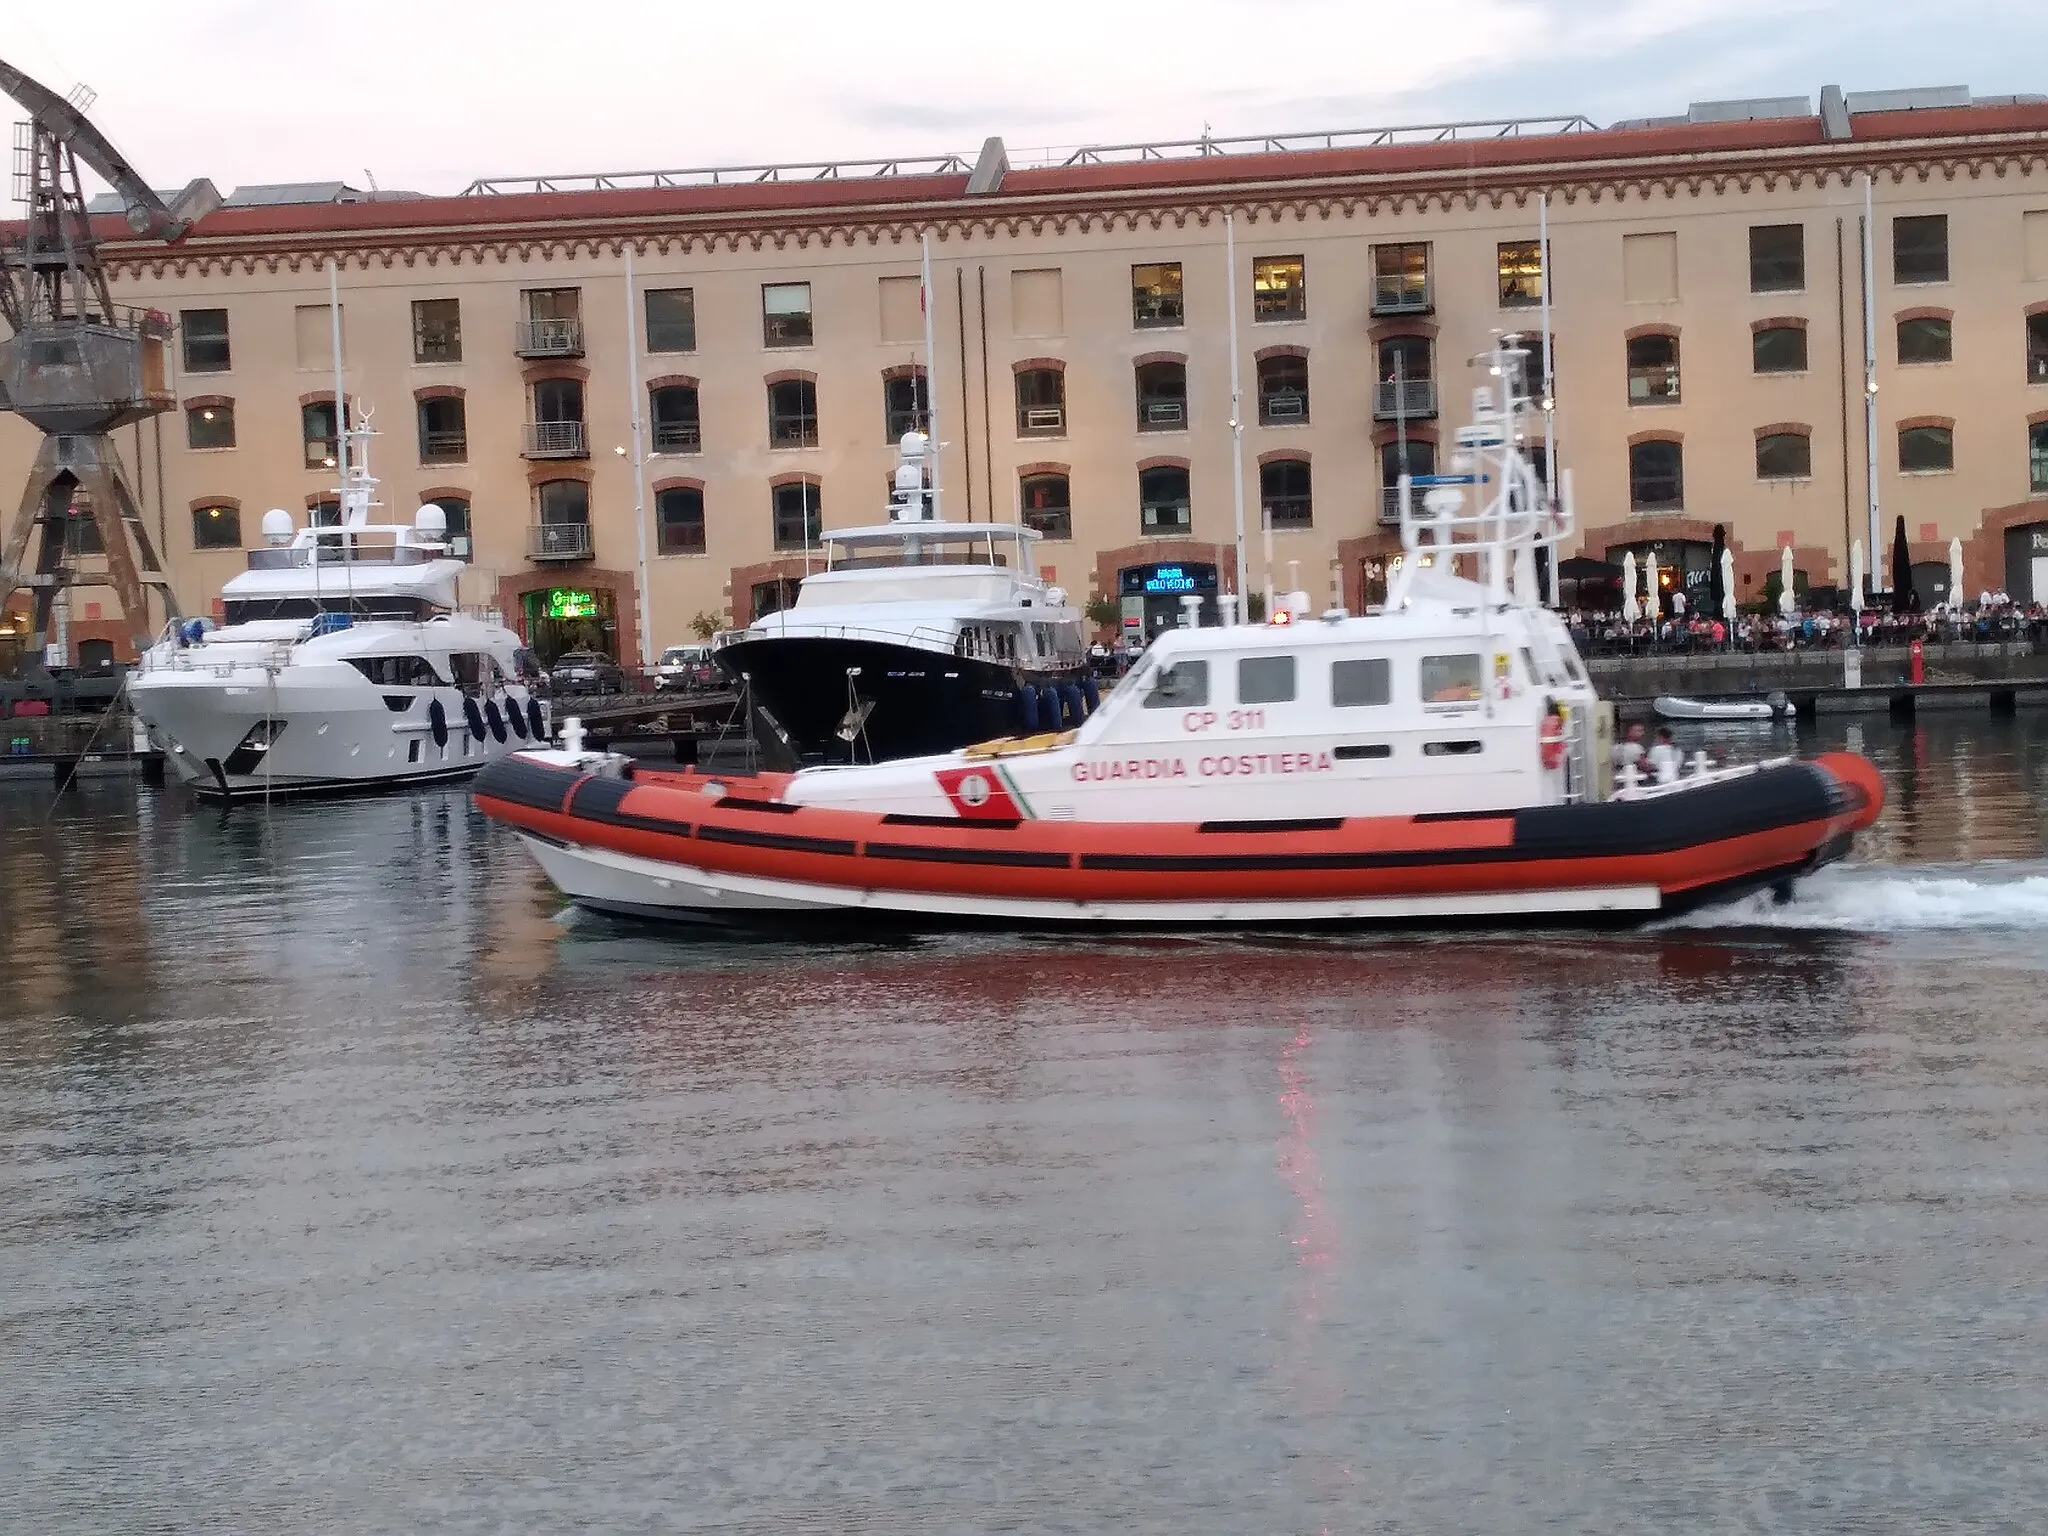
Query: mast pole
1549, 386
931, 360
633, 402
1237, 424
1870, 374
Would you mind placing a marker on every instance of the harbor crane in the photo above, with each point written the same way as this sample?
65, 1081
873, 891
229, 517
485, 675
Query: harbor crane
77, 366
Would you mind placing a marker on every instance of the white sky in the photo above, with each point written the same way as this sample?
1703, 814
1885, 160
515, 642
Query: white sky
428, 94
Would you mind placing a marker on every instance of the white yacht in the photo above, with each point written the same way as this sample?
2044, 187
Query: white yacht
342, 662
918, 636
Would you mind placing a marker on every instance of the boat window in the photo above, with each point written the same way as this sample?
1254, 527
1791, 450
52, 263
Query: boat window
1535, 673
253, 610
467, 667
1362, 682
397, 671
1451, 679
1453, 748
1265, 679
1181, 686
1364, 751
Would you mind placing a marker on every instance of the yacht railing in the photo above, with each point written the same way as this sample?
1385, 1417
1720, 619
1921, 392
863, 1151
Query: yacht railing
933, 637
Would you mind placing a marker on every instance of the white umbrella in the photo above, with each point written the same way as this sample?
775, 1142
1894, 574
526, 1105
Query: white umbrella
1650, 607
1955, 574
1728, 585
1630, 611
1786, 601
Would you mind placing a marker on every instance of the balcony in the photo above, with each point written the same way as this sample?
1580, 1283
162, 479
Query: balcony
558, 541
677, 437
1401, 294
548, 338
1408, 398
555, 440
1390, 506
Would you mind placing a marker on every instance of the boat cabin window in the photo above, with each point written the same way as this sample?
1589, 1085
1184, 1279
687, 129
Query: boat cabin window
1451, 680
1182, 686
1265, 679
467, 667
252, 610
1366, 681
397, 671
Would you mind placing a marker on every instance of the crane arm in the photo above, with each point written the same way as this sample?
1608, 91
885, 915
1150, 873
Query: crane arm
147, 213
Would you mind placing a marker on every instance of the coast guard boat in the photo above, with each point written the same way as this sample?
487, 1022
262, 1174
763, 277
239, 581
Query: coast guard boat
1444, 760
343, 663
918, 636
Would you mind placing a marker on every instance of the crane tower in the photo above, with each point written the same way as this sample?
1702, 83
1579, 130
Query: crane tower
76, 365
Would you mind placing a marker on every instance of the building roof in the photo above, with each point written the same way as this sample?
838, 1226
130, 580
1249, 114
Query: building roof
1531, 150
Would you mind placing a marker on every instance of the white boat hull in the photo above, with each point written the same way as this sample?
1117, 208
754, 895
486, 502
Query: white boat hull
609, 881
1669, 708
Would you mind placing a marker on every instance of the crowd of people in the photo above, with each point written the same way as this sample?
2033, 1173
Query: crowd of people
1994, 619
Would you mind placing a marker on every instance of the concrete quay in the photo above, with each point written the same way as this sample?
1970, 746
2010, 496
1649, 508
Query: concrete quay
1997, 679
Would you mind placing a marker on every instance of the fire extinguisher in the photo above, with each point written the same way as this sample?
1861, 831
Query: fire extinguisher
1919, 669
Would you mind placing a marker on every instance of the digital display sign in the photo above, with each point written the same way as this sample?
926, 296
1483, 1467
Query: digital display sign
1167, 580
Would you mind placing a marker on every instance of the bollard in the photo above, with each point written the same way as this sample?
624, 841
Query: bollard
1919, 670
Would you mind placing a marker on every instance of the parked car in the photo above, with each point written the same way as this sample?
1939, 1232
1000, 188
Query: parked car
585, 672
685, 669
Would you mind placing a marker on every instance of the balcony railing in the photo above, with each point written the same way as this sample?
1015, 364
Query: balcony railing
558, 541
1042, 420
1166, 517
555, 440
1408, 397
1283, 405
1390, 506
2037, 367
1401, 295
444, 447
677, 437
1162, 415
548, 338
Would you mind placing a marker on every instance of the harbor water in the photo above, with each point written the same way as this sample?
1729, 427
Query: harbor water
348, 1183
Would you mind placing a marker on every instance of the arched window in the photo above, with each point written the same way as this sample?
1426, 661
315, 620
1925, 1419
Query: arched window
1041, 402
1926, 339
1778, 349
1162, 396
455, 511
1784, 456
1653, 370
564, 531
1284, 494
679, 520
444, 430
557, 430
1924, 450
1656, 476
210, 423
316, 429
217, 526
905, 406
793, 414
1283, 390
1165, 504
1415, 458
799, 514
1046, 503
673, 409
1407, 386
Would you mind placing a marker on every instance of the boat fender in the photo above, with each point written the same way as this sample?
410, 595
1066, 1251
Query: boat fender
437, 722
1027, 706
474, 717
535, 721
1090, 692
514, 716
494, 719
1070, 695
1553, 739
1049, 707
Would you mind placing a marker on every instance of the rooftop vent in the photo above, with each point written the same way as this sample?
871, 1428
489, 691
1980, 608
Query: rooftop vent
1915, 100
1749, 109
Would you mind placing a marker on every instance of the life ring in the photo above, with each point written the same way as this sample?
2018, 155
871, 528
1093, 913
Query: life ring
437, 722
1552, 741
514, 717
474, 716
494, 719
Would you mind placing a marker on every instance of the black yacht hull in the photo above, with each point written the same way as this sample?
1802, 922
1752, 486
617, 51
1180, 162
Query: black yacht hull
918, 701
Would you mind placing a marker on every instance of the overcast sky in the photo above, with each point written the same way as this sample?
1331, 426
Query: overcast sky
429, 94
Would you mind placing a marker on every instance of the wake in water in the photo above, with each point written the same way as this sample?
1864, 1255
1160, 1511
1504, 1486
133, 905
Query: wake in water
1876, 898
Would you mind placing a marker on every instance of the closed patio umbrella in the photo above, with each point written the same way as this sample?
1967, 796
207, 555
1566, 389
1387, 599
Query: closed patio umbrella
1651, 608
1630, 609
1787, 602
1955, 574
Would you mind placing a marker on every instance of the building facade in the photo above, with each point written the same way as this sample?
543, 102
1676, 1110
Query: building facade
644, 398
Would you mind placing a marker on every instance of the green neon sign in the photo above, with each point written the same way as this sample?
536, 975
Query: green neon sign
569, 603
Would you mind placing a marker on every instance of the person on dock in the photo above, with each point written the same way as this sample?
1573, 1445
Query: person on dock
1665, 760
1628, 752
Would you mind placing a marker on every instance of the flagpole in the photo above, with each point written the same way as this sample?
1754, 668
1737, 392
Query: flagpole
931, 359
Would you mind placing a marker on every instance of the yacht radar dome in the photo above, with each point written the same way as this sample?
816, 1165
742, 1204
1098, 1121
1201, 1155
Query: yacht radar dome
431, 521
277, 527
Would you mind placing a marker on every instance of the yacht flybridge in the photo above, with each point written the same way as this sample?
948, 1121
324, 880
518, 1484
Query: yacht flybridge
342, 662
1443, 760
918, 636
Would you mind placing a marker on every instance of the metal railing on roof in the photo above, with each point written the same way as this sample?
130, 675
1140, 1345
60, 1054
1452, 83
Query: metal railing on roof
1295, 143
724, 175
